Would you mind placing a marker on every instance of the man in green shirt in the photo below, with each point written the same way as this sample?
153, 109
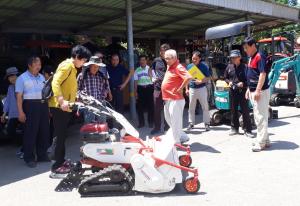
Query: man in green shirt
144, 91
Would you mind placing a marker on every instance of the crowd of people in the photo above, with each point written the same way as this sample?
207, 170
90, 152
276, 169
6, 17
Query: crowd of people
160, 89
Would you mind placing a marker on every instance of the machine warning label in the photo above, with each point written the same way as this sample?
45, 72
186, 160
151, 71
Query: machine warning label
105, 151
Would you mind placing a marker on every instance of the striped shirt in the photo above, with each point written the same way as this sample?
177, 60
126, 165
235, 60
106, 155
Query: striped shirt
142, 77
94, 85
30, 86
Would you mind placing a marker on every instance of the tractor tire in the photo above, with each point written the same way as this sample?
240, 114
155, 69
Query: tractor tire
274, 100
297, 103
216, 119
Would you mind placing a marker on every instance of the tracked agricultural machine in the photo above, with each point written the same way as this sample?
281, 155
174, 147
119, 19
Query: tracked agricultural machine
118, 162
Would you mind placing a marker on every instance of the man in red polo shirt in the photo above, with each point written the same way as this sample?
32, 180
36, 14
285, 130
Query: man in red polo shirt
258, 92
176, 78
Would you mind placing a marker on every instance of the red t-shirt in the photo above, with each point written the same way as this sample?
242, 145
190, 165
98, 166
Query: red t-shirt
173, 79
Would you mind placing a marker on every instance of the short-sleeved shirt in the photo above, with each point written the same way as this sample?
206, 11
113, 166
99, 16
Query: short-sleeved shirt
205, 70
256, 65
116, 75
173, 79
159, 66
141, 75
30, 86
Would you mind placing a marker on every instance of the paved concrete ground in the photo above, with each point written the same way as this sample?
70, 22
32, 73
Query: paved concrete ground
230, 173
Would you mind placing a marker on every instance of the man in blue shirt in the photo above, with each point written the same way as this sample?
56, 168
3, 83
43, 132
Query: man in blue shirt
196, 90
116, 73
33, 111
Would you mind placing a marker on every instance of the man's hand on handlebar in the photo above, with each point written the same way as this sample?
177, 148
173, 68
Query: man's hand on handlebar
64, 105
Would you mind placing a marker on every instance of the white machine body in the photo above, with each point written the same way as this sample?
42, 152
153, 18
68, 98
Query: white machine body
148, 176
153, 178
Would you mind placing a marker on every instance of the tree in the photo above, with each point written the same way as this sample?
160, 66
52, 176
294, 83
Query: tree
288, 28
287, 2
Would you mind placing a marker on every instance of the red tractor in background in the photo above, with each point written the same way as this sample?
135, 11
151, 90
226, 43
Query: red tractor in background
275, 48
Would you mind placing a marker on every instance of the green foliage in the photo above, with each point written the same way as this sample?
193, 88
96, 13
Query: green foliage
282, 1
288, 28
287, 2
100, 41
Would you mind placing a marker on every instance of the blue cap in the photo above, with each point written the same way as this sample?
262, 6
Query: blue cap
235, 53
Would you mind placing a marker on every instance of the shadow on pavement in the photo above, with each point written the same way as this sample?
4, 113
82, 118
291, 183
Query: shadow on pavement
277, 123
282, 145
13, 169
178, 191
193, 132
218, 128
197, 147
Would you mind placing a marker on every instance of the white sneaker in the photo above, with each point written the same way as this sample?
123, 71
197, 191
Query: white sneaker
267, 144
249, 134
257, 148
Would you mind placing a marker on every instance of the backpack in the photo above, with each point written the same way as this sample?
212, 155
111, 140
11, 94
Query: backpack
47, 92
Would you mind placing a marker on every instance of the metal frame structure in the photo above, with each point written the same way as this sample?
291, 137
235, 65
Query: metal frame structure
152, 18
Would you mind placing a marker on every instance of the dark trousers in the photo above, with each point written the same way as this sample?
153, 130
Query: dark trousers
51, 128
117, 101
12, 125
145, 102
158, 108
60, 122
237, 98
36, 130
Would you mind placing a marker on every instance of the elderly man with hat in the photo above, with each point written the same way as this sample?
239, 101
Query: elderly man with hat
92, 82
235, 76
10, 107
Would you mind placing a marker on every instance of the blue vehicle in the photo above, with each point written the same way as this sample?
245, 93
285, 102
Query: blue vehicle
220, 113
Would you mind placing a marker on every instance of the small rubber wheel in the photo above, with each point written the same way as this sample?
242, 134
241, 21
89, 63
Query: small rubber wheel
217, 118
185, 160
297, 104
191, 185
